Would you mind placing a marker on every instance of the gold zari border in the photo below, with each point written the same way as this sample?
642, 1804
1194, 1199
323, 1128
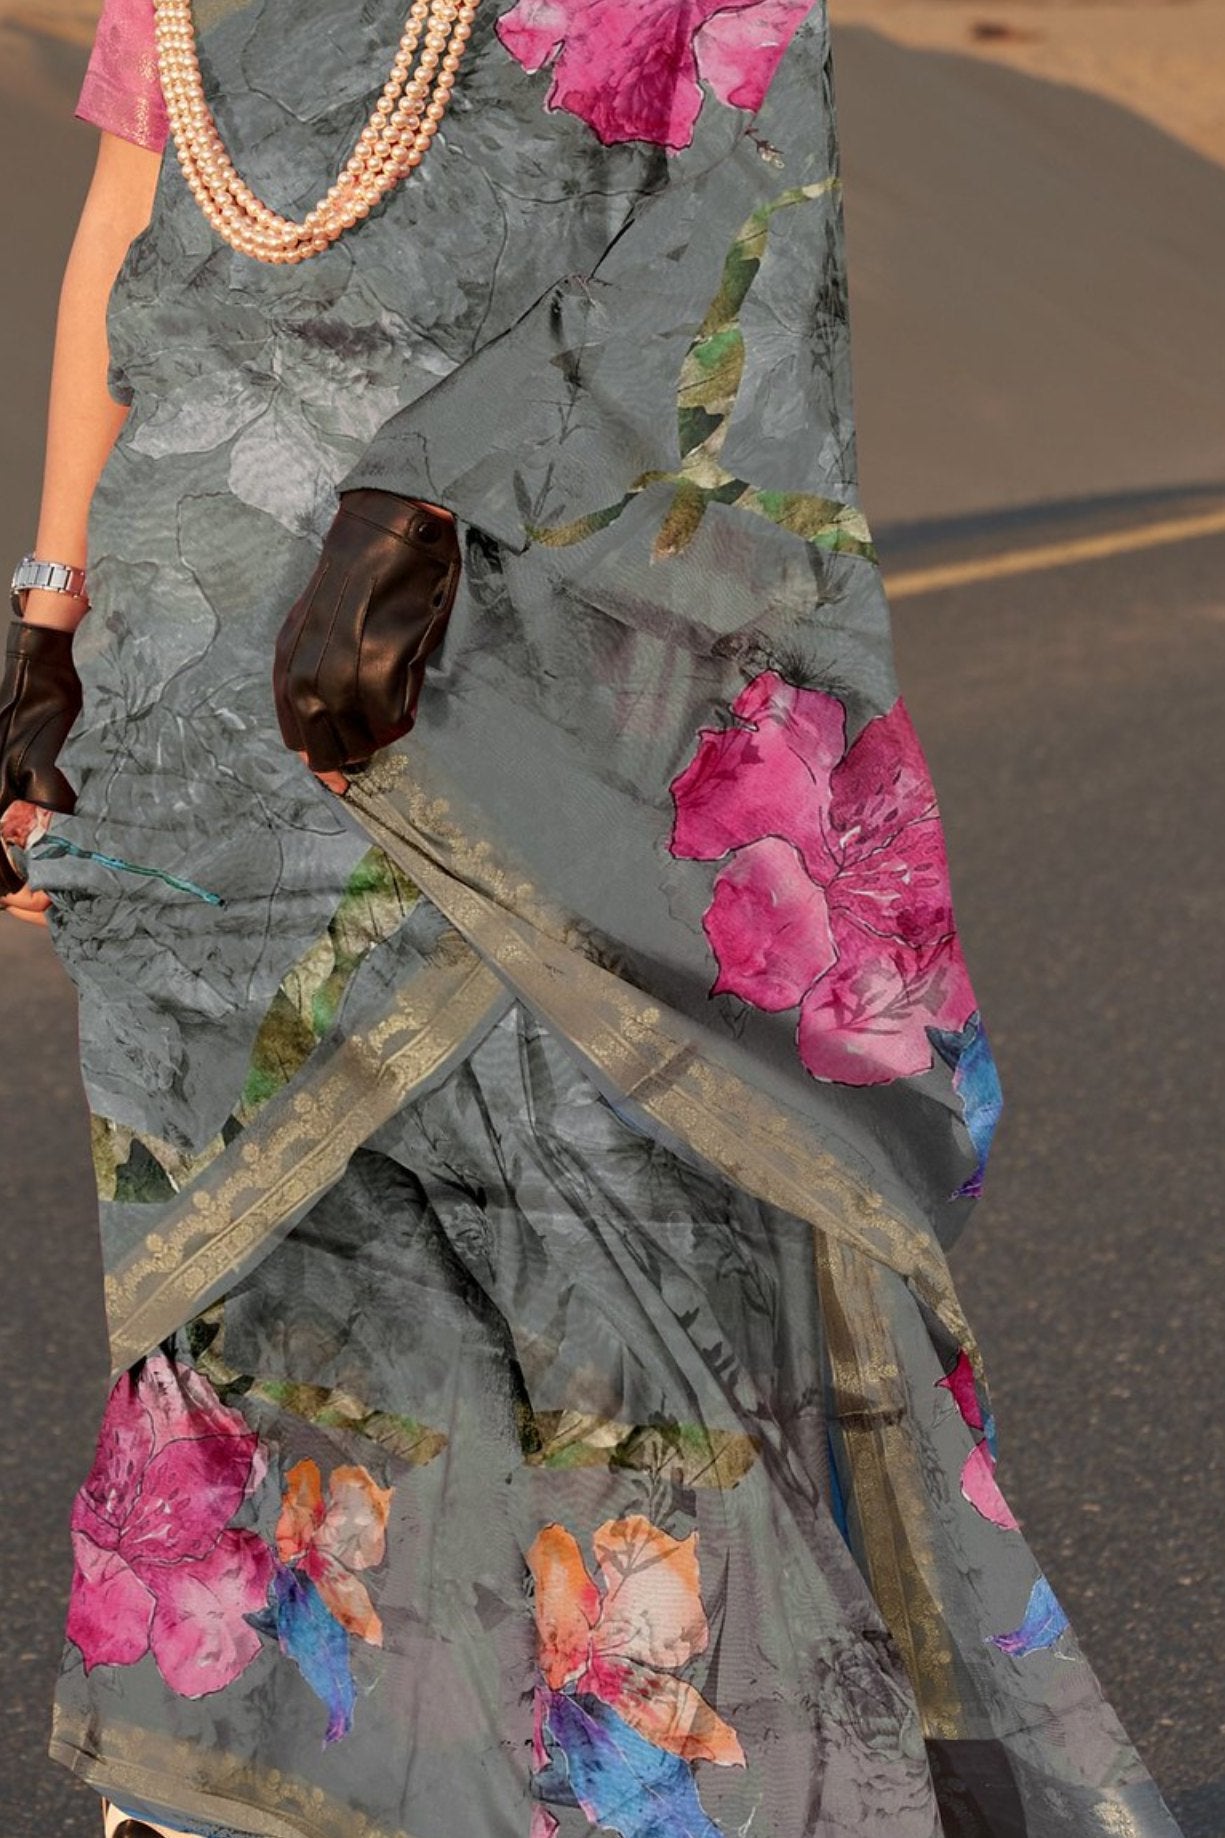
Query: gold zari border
296, 1148
162, 1769
888, 1509
650, 1055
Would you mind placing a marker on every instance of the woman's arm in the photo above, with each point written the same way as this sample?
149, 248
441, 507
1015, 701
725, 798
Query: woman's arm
83, 417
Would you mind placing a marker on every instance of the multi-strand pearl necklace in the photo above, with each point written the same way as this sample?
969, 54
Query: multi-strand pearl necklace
394, 140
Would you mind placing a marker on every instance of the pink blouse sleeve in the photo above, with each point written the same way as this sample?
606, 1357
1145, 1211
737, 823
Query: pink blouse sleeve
122, 91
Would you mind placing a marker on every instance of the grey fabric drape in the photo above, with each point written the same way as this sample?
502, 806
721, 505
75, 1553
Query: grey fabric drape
541, 1400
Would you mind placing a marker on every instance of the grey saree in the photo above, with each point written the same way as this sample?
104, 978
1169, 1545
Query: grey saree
541, 1403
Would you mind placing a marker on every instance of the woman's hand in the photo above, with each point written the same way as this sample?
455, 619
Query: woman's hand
40, 698
350, 657
26, 904
335, 781
19, 825
39, 691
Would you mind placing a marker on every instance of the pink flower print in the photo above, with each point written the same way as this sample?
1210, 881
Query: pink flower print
156, 1569
328, 1540
631, 69
835, 896
980, 1487
24, 823
978, 1483
740, 47
962, 1387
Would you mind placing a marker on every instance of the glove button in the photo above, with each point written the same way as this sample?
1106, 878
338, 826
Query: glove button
429, 529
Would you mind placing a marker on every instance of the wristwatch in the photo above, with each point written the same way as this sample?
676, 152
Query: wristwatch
59, 577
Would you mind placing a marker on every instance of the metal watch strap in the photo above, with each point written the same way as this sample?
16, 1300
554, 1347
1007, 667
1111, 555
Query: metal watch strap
57, 577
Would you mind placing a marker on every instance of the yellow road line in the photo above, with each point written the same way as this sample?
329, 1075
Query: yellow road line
1053, 555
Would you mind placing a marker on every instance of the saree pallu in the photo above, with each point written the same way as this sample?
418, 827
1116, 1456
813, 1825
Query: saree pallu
540, 1400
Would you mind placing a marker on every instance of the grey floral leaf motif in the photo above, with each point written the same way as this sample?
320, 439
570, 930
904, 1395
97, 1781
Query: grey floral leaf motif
330, 1407
687, 1454
136, 1167
707, 390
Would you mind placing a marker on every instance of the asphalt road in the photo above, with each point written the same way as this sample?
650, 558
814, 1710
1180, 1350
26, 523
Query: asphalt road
1072, 718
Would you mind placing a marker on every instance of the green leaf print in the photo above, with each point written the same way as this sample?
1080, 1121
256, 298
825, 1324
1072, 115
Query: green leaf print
707, 389
131, 1167
329, 1407
688, 1454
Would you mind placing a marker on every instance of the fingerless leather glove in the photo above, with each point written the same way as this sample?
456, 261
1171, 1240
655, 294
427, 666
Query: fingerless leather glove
40, 698
350, 657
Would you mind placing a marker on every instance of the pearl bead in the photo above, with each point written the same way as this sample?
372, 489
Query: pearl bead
393, 142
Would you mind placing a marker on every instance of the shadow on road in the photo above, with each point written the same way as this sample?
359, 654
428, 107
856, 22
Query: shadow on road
1042, 520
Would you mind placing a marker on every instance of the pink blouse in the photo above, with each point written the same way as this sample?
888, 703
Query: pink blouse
122, 91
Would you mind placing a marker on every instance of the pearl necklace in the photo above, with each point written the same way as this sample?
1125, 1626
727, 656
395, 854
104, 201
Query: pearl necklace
394, 140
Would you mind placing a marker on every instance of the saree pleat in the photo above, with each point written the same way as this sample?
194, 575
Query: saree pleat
540, 1399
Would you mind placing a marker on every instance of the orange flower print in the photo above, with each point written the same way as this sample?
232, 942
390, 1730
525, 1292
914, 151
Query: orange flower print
621, 1639
328, 1540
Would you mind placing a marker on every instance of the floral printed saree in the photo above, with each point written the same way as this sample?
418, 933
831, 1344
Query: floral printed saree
540, 1404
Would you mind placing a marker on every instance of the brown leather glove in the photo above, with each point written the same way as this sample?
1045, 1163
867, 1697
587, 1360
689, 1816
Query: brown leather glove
350, 657
40, 698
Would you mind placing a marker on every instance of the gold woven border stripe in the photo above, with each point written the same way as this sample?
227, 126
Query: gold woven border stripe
295, 1149
203, 1782
644, 1050
888, 1508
